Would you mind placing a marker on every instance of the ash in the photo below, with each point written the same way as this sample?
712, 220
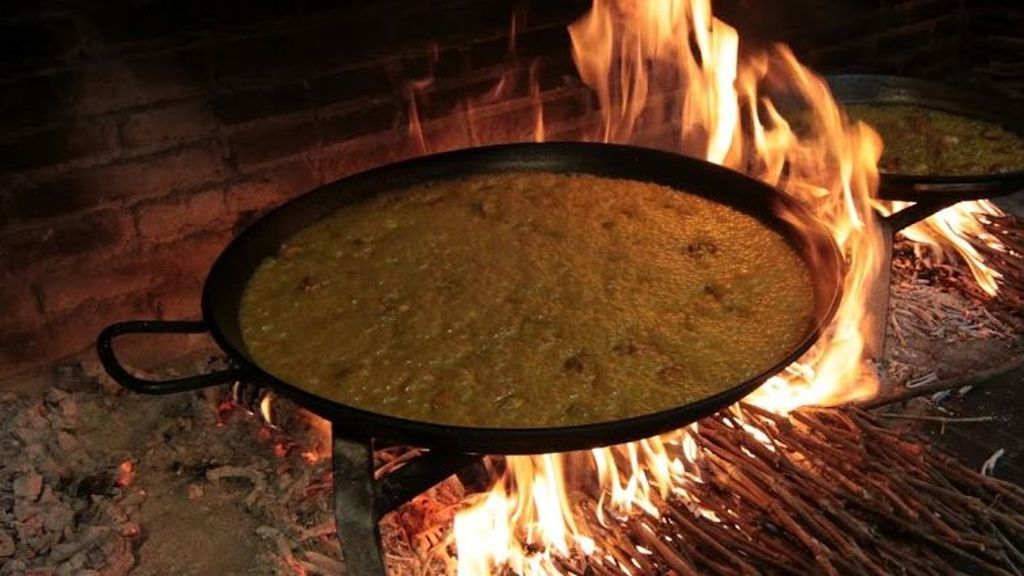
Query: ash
97, 480
66, 506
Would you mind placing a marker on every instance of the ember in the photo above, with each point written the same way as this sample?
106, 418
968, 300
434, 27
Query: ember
125, 473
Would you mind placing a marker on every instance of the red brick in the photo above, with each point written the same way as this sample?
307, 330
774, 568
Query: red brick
191, 258
144, 270
567, 105
354, 84
456, 21
907, 38
135, 178
370, 119
489, 52
365, 153
921, 10
88, 239
272, 141
69, 288
168, 125
139, 22
169, 275
18, 309
263, 58
503, 123
449, 133
445, 98
585, 129
118, 84
29, 100
433, 63
179, 300
272, 187
180, 215
557, 13
68, 333
556, 73
69, 142
844, 54
239, 107
103, 86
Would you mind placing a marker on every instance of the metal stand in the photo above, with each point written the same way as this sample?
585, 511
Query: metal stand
878, 299
355, 507
360, 501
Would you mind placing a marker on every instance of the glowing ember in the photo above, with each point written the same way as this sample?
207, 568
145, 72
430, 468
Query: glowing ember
125, 473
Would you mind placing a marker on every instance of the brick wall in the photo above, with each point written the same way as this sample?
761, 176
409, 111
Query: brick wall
925, 38
997, 54
138, 136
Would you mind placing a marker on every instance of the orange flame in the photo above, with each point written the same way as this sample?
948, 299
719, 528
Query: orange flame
958, 227
634, 55
671, 63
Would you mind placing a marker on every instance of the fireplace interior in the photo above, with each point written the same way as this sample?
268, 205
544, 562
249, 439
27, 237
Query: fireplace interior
139, 137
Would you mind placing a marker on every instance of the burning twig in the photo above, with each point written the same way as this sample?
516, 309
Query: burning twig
821, 491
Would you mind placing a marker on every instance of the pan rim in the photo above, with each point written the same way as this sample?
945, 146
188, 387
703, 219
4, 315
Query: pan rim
910, 91
366, 424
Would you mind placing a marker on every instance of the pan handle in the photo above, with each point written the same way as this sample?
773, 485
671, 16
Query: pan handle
911, 191
105, 350
915, 213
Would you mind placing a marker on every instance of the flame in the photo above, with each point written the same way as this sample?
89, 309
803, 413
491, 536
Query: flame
669, 63
529, 499
668, 74
959, 227
267, 407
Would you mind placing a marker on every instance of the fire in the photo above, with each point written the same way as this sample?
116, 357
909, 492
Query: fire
670, 63
668, 74
959, 226
529, 499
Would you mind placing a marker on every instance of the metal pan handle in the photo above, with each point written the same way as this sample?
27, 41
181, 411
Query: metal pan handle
913, 214
105, 350
911, 191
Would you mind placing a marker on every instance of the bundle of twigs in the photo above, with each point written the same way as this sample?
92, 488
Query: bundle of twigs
1007, 260
824, 491
940, 300
1009, 230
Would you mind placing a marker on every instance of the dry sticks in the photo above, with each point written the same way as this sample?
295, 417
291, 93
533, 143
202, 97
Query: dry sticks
834, 491
938, 300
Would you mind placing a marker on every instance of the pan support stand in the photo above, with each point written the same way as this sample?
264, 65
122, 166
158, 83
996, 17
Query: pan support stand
881, 286
355, 507
360, 500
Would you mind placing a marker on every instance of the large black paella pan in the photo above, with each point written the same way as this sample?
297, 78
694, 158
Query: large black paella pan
227, 281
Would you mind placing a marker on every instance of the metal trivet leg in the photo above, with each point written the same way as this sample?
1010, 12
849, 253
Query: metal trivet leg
355, 507
360, 501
